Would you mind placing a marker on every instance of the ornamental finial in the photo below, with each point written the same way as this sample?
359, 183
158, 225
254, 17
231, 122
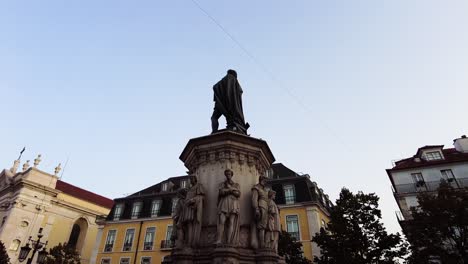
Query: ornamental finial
26, 165
37, 160
58, 168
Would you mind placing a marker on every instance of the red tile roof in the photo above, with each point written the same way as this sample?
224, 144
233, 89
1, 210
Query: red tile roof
84, 194
450, 155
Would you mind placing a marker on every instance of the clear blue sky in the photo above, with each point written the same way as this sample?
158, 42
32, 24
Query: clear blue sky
339, 89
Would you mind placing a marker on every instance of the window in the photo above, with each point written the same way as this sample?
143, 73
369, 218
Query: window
136, 209
110, 240
292, 226
105, 261
125, 261
289, 194
164, 187
433, 155
149, 238
118, 211
418, 179
168, 243
145, 260
184, 184
174, 203
128, 239
169, 232
155, 207
447, 175
74, 235
15, 245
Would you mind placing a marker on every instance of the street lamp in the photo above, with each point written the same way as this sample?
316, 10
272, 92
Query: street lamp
36, 245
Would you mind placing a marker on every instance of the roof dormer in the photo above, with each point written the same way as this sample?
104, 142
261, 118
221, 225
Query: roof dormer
431, 153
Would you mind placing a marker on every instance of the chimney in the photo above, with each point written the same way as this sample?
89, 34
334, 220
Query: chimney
461, 144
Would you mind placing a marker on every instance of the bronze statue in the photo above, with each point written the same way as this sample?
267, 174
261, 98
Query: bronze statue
179, 232
260, 205
274, 225
193, 210
228, 102
228, 211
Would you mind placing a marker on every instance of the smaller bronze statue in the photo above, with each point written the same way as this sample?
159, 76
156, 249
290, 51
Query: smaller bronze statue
274, 225
260, 206
178, 232
228, 102
193, 211
228, 211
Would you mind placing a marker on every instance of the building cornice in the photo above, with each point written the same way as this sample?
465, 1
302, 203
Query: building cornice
136, 220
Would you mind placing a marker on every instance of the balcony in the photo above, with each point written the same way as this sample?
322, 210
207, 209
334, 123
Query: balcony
127, 247
167, 244
428, 186
295, 235
148, 246
108, 247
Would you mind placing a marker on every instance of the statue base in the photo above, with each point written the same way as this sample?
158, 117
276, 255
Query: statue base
208, 158
223, 255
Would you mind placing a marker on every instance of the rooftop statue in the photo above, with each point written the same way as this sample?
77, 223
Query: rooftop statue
228, 102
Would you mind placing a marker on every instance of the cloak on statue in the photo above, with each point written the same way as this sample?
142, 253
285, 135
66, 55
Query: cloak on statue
228, 102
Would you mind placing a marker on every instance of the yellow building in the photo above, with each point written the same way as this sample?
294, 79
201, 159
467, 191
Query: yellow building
33, 200
139, 227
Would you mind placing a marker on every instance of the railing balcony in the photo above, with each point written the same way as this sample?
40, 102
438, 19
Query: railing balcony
108, 247
154, 213
148, 246
423, 186
167, 244
295, 235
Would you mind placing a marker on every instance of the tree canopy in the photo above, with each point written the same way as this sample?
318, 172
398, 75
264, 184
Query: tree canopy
62, 254
355, 234
439, 229
4, 258
290, 248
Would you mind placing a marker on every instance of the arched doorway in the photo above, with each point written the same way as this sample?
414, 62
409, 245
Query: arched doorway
78, 234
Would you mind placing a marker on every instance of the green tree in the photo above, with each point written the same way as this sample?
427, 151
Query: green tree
290, 249
4, 258
355, 234
439, 228
62, 254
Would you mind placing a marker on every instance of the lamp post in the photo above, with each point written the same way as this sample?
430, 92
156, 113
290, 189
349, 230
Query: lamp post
36, 246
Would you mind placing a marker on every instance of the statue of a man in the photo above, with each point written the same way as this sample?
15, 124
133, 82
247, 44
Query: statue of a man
178, 233
260, 206
228, 211
274, 225
228, 102
193, 211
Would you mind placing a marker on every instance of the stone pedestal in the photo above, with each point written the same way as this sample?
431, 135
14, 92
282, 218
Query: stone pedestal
208, 157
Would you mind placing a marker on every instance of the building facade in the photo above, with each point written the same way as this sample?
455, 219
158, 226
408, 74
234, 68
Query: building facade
33, 200
424, 172
139, 227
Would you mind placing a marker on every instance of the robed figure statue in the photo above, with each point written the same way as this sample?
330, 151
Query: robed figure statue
179, 232
260, 206
274, 225
193, 211
228, 211
228, 102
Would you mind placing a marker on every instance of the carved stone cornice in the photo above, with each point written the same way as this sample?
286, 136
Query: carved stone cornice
227, 146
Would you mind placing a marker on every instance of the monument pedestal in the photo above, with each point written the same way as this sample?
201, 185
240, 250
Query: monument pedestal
208, 158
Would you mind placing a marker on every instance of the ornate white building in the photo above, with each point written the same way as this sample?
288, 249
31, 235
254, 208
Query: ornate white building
32, 199
424, 171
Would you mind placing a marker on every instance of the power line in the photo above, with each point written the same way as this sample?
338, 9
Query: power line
270, 74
